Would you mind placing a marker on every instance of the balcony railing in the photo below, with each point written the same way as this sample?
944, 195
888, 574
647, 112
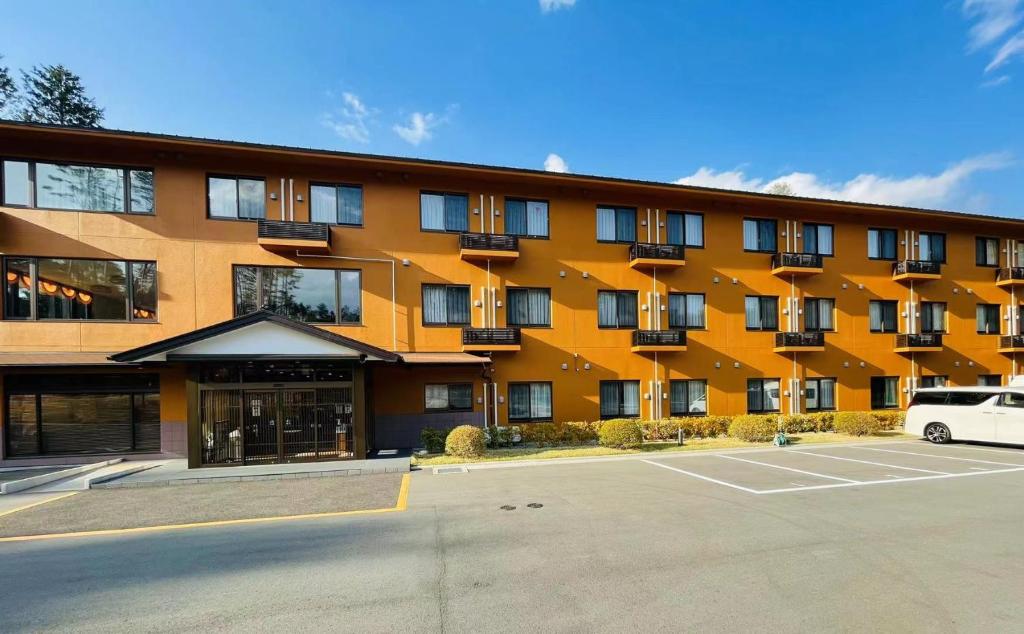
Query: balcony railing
797, 260
799, 339
284, 230
1011, 273
919, 340
912, 267
647, 251
488, 242
491, 337
1011, 341
659, 337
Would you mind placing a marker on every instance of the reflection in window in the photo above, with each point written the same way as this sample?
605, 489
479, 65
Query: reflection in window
84, 187
336, 204
230, 197
452, 397
319, 296
445, 305
444, 212
762, 395
688, 398
529, 401
527, 218
16, 185
620, 399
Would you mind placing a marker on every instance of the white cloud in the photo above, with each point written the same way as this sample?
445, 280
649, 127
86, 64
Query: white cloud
995, 81
1010, 48
994, 19
350, 122
547, 6
555, 163
421, 126
921, 190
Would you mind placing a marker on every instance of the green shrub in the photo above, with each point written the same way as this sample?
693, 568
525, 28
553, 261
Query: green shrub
754, 427
821, 421
554, 434
433, 439
500, 436
465, 441
857, 423
621, 433
889, 419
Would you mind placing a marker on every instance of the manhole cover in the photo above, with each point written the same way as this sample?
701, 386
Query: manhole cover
508, 507
535, 505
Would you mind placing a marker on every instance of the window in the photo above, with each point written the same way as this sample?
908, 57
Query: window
620, 399
529, 307
526, 218
317, 296
993, 380
819, 314
933, 317
762, 313
77, 187
988, 319
685, 228
445, 305
967, 398
58, 414
688, 398
616, 224
449, 397
236, 197
882, 315
686, 310
529, 401
444, 212
59, 288
759, 235
929, 398
1011, 399
885, 392
937, 380
818, 238
616, 309
882, 244
336, 204
931, 246
820, 395
986, 251
762, 395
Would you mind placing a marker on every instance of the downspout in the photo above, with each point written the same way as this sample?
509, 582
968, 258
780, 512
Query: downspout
291, 199
481, 213
282, 200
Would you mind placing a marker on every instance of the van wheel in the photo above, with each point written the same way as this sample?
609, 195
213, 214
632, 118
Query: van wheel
937, 433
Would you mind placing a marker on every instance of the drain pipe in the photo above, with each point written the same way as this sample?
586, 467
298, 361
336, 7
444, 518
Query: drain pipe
394, 310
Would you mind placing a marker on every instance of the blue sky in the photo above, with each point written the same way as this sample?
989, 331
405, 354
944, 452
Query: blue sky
912, 102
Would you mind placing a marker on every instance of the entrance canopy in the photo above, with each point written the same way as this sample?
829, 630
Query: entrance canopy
259, 335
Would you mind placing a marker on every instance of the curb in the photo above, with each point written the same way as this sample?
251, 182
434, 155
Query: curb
15, 486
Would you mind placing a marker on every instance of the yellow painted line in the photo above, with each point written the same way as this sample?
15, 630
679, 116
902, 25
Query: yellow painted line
403, 497
39, 503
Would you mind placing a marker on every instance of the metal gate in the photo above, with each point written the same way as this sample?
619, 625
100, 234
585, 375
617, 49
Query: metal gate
271, 425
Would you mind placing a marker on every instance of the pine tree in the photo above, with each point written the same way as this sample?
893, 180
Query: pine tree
53, 94
7, 89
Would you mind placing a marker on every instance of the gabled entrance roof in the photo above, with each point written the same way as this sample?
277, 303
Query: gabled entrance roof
259, 335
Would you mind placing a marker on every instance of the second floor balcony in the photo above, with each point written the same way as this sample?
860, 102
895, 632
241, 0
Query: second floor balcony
282, 235
481, 247
1011, 343
797, 264
918, 342
644, 255
491, 340
799, 342
916, 271
1009, 277
659, 341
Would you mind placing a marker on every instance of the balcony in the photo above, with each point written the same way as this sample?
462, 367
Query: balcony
643, 255
491, 340
1010, 277
916, 271
797, 264
799, 342
659, 341
1011, 343
481, 247
280, 235
918, 343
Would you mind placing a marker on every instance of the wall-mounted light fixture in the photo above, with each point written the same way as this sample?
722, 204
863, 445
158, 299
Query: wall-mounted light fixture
406, 262
585, 275
718, 364
565, 366
736, 364
561, 274
715, 280
586, 366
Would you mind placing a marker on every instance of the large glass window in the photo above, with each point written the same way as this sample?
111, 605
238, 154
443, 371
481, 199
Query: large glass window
444, 212
688, 397
936, 380
986, 251
686, 311
616, 224
931, 246
450, 397
529, 401
77, 187
320, 296
991, 380
882, 315
65, 289
685, 229
820, 395
336, 204
529, 307
819, 314
445, 305
526, 218
620, 399
885, 392
616, 309
882, 244
762, 313
762, 395
760, 234
236, 197
988, 319
818, 238
933, 317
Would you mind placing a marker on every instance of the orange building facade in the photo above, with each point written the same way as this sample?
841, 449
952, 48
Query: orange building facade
238, 303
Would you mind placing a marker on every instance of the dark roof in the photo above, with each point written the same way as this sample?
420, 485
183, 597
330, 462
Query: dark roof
54, 359
177, 341
554, 176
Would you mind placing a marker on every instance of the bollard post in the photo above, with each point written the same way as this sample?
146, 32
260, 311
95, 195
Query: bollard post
680, 436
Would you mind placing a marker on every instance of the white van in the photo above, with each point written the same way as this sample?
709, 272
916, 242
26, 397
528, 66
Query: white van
982, 413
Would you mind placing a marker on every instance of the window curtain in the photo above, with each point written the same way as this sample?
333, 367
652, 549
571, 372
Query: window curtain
753, 311
432, 211
350, 205
826, 394
456, 213
251, 198
607, 310
458, 304
888, 244
323, 204
460, 396
610, 401
605, 224
824, 234
519, 399
750, 235
537, 218
676, 231
697, 394
810, 238
824, 309
677, 397
630, 398
933, 317
755, 395
874, 244
626, 310
694, 230
875, 316
676, 311
694, 311
625, 225
811, 314
766, 235
891, 389
769, 313
988, 318
436, 397
518, 308
540, 307
435, 305
771, 394
540, 400
515, 218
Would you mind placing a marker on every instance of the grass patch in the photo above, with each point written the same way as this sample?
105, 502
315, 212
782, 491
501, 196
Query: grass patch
694, 444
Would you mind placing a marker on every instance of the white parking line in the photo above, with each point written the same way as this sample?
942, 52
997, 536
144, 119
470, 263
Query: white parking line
931, 455
1009, 451
877, 464
898, 481
702, 477
775, 466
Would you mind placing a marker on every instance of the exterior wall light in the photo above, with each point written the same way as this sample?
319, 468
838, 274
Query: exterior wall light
565, 366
